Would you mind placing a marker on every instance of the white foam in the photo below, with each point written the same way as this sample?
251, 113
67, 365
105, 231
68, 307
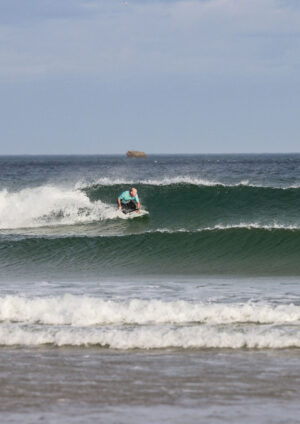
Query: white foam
182, 180
260, 337
52, 205
245, 225
87, 311
253, 225
146, 324
164, 181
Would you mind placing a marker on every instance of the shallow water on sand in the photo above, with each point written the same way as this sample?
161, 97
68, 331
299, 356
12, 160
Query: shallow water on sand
88, 385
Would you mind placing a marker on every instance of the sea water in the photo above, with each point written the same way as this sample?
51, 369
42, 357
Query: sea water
188, 312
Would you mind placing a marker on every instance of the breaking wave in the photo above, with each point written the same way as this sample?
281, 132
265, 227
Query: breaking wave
174, 205
141, 324
51, 206
93, 311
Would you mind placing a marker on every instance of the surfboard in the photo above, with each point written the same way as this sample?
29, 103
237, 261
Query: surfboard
135, 214
126, 212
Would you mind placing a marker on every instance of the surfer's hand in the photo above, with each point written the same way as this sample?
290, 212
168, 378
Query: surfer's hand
138, 210
119, 208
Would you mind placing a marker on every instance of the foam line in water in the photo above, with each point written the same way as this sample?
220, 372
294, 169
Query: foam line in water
88, 311
152, 337
253, 225
242, 225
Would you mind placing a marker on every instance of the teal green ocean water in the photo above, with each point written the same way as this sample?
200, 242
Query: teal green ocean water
201, 215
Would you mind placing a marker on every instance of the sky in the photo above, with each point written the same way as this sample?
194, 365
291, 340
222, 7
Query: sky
162, 76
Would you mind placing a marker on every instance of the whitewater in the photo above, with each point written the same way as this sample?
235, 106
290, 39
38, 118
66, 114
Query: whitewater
53, 205
146, 324
89, 311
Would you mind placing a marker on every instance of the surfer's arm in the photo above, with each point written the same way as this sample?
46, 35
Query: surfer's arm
138, 203
119, 203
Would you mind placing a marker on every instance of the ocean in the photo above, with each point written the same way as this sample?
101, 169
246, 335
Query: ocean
187, 312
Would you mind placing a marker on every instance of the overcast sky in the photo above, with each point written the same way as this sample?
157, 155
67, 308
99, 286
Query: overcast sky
164, 76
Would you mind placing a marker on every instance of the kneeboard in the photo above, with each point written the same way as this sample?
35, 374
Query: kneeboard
135, 214
126, 211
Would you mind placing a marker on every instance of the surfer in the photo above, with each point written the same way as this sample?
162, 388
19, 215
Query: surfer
129, 201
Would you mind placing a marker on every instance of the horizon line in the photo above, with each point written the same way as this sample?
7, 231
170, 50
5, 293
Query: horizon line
150, 154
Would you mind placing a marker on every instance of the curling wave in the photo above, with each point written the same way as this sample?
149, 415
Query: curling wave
173, 206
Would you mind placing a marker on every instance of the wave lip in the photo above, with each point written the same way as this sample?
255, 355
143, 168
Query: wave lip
181, 180
165, 181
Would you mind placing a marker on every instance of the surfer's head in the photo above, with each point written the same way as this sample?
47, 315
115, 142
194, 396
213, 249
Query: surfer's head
133, 192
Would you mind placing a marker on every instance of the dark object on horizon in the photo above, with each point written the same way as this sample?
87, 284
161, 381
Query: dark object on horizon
136, 154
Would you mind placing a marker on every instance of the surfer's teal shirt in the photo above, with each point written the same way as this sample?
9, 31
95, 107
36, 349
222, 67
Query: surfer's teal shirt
125, 197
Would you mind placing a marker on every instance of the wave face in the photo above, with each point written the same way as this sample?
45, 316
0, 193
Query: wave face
146, 324
189, 205
218, 251
173, 206
240, 217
